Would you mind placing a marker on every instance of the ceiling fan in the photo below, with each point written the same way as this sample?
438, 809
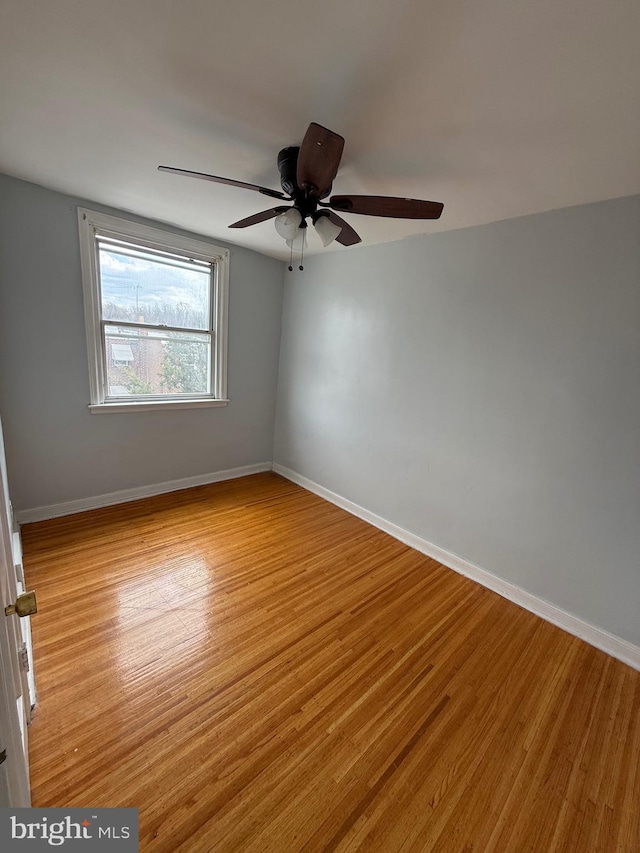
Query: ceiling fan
307, 172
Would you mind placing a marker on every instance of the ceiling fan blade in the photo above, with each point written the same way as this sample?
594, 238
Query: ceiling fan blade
319, 158
382, 205
229, 181
348, 237
259, 217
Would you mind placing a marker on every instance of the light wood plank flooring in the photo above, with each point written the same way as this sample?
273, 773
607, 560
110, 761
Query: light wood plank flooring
257, 670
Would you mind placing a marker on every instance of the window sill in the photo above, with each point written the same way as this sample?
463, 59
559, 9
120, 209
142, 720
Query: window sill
152, 405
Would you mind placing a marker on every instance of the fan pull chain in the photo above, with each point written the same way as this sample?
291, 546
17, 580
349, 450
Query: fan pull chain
291, 257
301, 255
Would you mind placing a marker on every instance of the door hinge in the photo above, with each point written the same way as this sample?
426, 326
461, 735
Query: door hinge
3, 756
24, 658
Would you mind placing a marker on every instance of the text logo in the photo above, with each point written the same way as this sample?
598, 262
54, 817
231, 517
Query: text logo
70, 829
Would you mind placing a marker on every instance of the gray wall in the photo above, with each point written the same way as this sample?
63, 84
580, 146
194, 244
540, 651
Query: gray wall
56, 450
481, 388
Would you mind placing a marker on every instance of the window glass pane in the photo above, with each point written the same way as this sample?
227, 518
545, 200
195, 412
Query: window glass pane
149, 362
143, 286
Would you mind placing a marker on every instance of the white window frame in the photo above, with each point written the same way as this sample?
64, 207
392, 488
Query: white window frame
92, 223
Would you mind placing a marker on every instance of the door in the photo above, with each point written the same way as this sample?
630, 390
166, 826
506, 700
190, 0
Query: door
15, 653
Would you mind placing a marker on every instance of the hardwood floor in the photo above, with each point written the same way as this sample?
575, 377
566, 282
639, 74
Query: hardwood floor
257, 670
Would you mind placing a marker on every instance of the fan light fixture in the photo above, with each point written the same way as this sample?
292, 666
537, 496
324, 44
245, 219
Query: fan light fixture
288, 224
290, 227
326, 229
299, 242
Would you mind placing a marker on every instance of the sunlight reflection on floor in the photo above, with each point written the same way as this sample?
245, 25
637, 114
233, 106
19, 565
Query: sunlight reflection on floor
162, 616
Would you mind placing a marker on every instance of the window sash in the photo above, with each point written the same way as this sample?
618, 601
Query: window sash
209, 339
162, 257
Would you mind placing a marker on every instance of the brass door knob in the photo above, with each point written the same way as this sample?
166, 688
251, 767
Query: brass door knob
26, 605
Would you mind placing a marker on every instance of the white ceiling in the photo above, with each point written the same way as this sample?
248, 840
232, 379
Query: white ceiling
497, 108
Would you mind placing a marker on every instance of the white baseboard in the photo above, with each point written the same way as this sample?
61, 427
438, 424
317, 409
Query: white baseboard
603, 640
41, 513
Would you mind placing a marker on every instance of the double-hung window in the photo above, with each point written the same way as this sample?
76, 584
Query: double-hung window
156, 315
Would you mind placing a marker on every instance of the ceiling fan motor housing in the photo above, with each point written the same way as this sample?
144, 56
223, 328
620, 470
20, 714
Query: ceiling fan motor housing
287, 166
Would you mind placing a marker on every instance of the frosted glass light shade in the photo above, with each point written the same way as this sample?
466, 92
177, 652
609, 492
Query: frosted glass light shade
288, 224
327, 230
299, 242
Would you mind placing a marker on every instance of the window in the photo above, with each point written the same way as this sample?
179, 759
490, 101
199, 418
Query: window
122, 355
156, 315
